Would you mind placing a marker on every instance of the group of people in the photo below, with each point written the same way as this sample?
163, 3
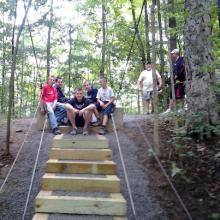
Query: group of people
80, 110
146, 80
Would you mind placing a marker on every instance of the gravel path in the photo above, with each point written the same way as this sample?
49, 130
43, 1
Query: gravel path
13, 198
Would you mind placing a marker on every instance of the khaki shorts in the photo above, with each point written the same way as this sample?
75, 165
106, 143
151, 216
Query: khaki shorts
148, 95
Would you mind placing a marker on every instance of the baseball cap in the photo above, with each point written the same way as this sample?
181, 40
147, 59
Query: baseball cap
175, 51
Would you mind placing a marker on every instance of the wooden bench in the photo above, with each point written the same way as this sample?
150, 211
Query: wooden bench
118, 116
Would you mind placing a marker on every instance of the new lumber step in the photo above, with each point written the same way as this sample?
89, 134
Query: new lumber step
55, 216
73, 166
80, 141
46, 202
80, 154
80, 183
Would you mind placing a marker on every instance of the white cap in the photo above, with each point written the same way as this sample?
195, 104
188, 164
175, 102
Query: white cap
175, 51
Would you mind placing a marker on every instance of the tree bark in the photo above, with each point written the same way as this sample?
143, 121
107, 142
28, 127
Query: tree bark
11, 82
140, 42
172, 26
218, 12
147, 31
198, 58
49, 39
70, 58
155, 92
162, 63
102, 69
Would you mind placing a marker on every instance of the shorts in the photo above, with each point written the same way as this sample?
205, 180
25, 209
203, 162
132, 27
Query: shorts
80, 121
179, 91
109, 109
60, 113
148, 95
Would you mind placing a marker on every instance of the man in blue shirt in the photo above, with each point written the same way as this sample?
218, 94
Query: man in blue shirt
91, 95
79, 111
179, 78
60, 111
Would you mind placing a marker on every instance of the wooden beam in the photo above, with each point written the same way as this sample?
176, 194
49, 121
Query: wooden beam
40, 216
83, 167
80, 141
109, 183
45, 202
81, 154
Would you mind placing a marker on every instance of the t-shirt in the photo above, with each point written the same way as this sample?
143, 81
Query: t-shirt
61, 97
105, 94
91, 95
48, 94
79, 104
179, 69
147, 78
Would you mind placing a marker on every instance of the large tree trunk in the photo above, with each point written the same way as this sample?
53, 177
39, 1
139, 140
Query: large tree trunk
155, 100
11, 82
162, 63
70, 58
200, 96
49, 39
102, 69
140, 42
147, 31
172, 26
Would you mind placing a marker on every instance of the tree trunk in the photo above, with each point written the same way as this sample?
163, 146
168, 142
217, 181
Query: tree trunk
49, 39
218, 12
155, 92
162, 63
70, 58
172, 26
140, 42
11, 82
147, 31
3, 100
102, 69
201, 99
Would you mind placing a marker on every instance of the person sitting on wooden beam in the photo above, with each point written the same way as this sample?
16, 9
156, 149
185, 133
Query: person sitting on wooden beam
49, 101
105, 98
79, 112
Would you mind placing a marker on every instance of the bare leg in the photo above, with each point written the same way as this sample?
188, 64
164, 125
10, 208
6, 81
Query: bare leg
87, 117
105, 120
71, 115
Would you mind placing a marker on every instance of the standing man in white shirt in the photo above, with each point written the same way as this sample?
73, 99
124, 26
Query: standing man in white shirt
146, 80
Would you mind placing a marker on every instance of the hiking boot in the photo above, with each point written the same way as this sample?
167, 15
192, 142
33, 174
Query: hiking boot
102, 131
85, 131
74, 131
56, 131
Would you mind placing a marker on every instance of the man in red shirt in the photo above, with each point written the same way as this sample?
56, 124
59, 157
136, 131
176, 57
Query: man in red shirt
49, 101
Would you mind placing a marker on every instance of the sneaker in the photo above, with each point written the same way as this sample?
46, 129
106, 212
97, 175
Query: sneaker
85, 131
97, 123
74, 131
56, 131
167, 111
102, 131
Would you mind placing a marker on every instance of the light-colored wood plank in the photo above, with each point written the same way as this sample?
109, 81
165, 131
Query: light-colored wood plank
80, 141
83, 167
80, 205
109, 183
40, 216
81, 154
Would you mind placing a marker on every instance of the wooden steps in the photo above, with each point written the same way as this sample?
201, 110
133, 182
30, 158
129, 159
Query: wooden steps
80, 179
80, 183
74, 166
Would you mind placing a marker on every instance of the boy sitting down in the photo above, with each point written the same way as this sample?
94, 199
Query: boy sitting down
105, 98
79, 112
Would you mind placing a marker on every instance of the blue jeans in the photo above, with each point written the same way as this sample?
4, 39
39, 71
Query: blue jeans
51, 115
60, 113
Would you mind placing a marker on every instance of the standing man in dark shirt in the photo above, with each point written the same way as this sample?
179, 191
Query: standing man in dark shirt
60, 111
179, 78
91, 95
79, 111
